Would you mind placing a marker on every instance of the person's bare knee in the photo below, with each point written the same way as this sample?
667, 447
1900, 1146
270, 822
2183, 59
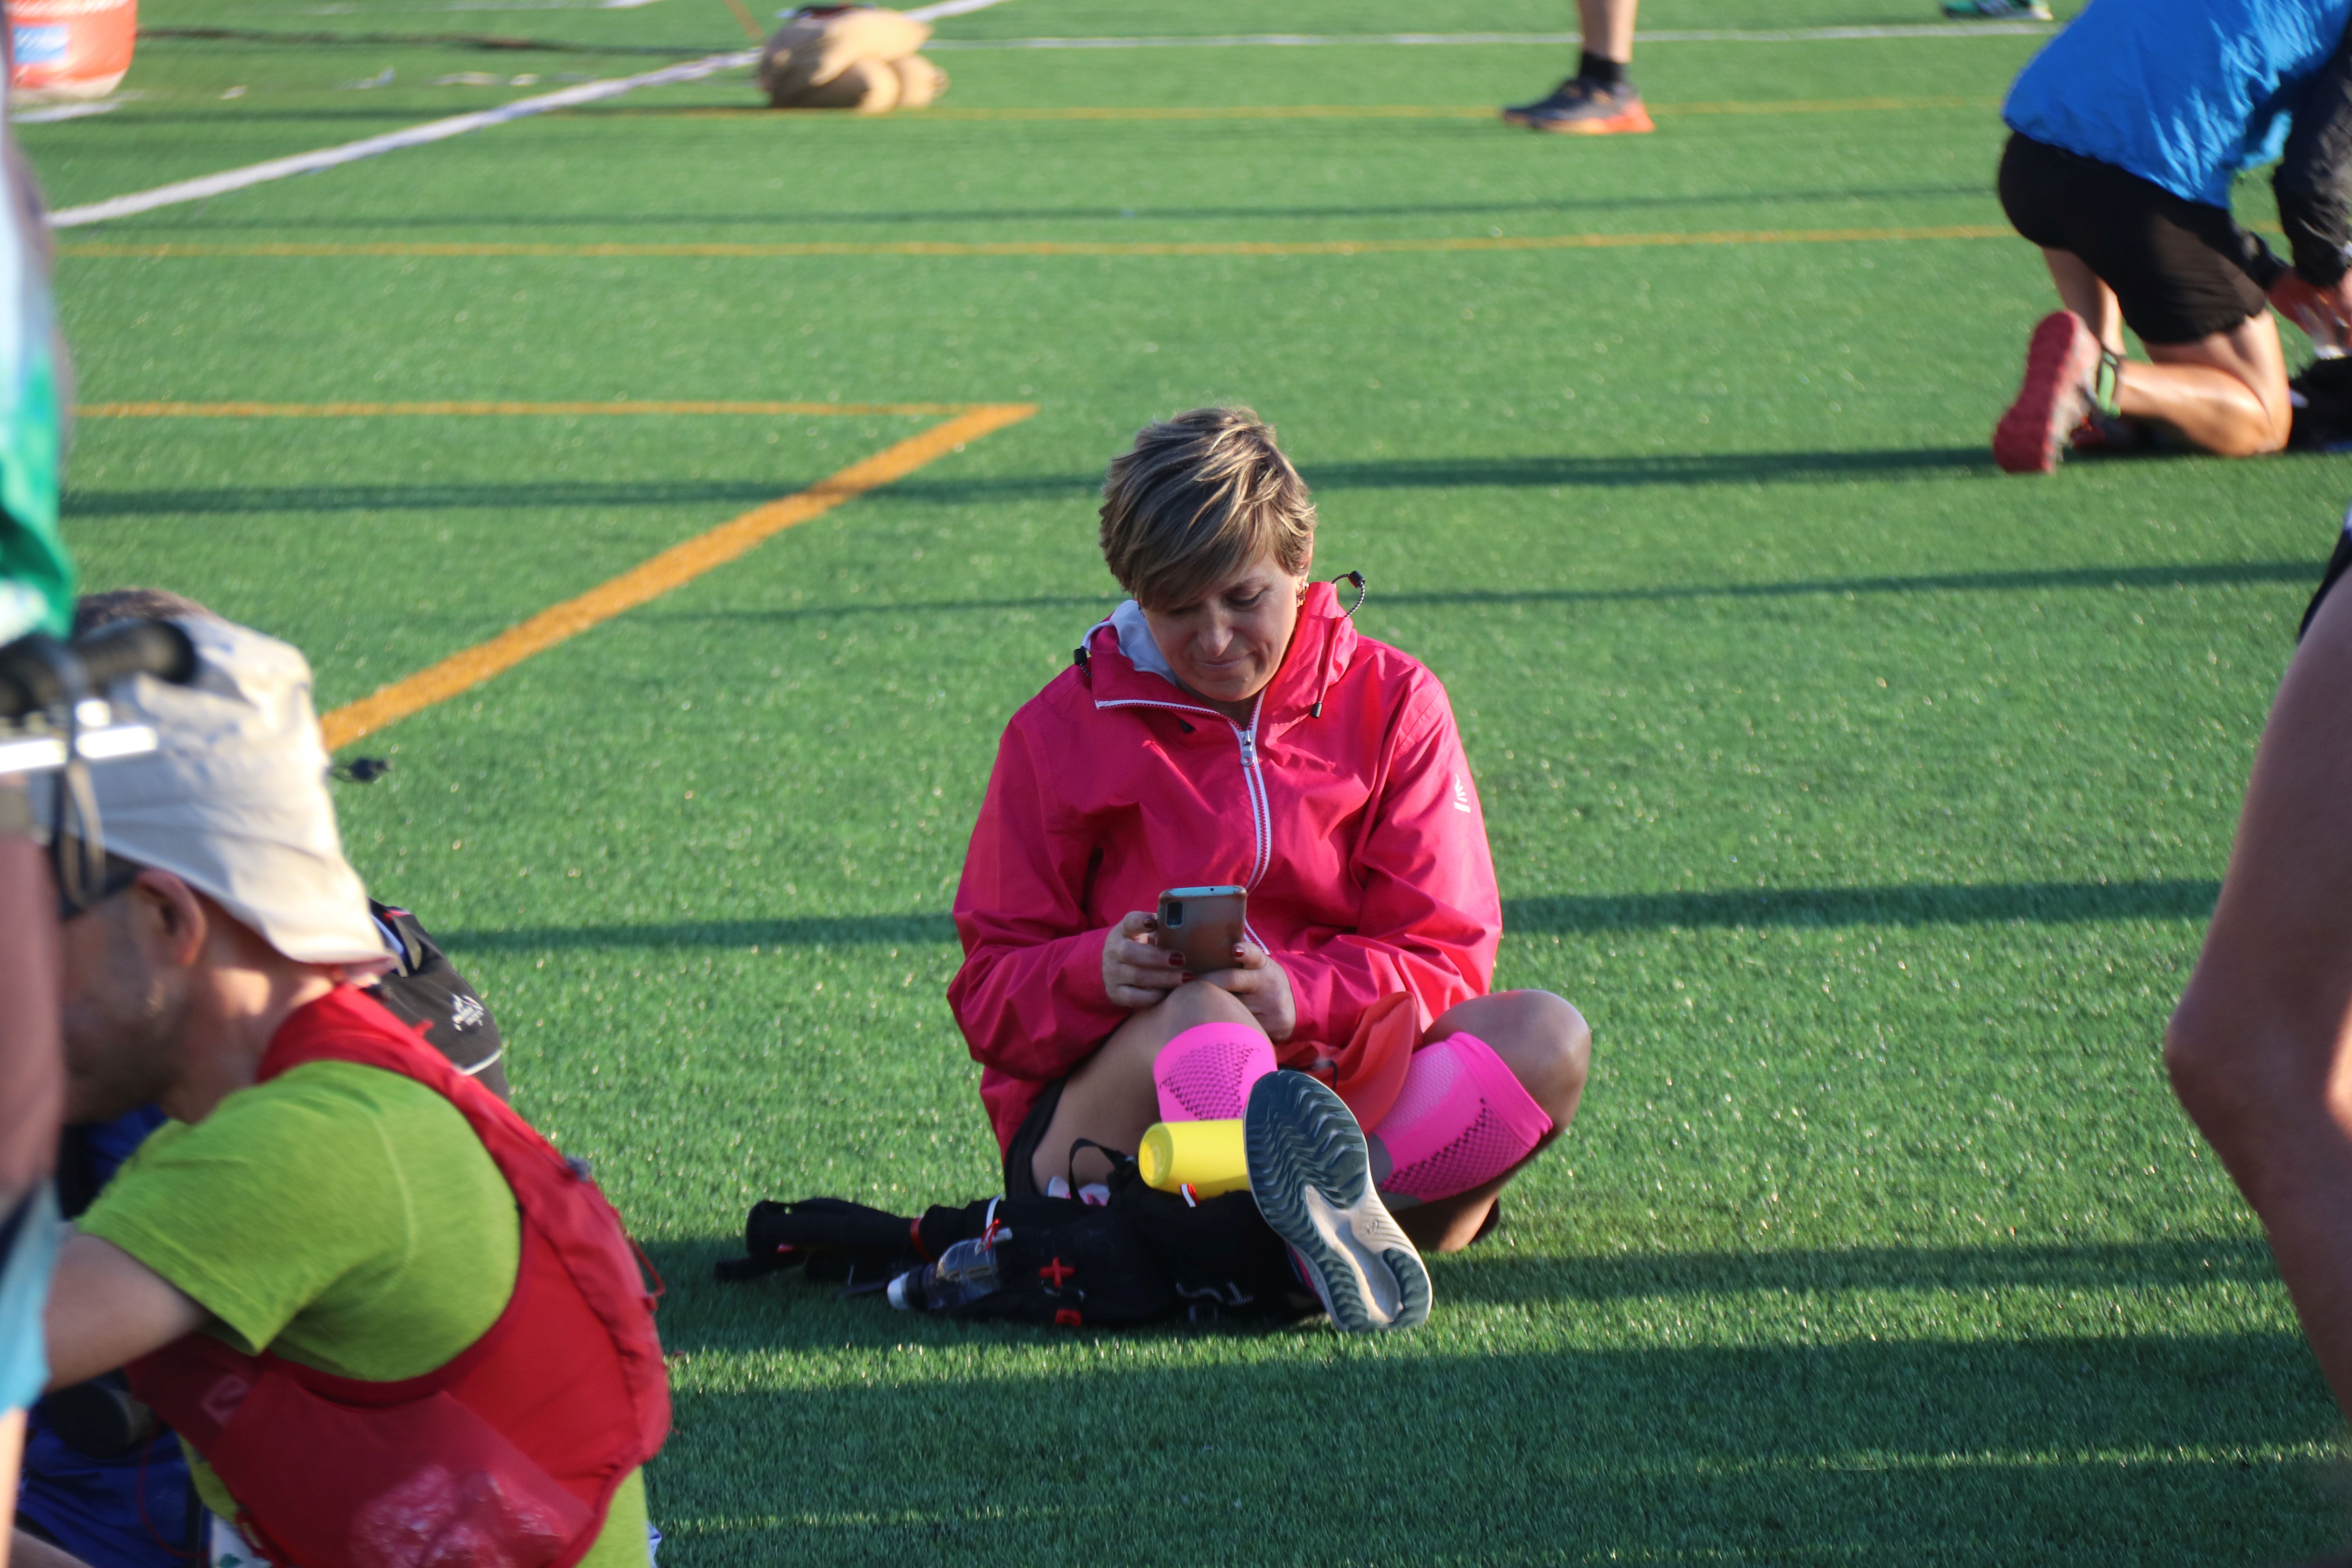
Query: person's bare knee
2204, 1068
1108, 1099
1145, 1034
1541, 1038
2226, 392
1197, 1002
2251, 1076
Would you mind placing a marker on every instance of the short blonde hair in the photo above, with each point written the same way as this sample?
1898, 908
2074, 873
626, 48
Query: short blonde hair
1198, 497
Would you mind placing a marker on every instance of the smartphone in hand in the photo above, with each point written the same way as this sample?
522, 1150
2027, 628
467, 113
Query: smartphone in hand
1205, 924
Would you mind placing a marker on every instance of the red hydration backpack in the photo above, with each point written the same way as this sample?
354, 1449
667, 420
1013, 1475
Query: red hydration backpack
508, 1456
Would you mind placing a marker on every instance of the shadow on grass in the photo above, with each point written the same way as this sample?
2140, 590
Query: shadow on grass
1671, 470
1491, 1274
2222, 573
948, 1443
1618, 472
2182, 574
780, 1311
1901, 904
610, 222
1687, 468
2024, 903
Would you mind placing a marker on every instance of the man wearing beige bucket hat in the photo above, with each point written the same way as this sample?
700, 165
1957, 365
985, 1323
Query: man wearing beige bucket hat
335, 1227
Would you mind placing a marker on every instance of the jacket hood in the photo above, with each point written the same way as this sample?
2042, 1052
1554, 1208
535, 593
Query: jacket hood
1321, 648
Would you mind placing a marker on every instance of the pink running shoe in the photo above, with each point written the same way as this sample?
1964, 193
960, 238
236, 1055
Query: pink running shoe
2062, 359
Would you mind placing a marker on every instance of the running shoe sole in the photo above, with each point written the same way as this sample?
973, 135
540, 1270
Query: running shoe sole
1311, 1175
1628, 122
1624, 123
2060, 360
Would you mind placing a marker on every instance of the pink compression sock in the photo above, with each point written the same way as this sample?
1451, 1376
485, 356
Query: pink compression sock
1462, 1119
1205, 1074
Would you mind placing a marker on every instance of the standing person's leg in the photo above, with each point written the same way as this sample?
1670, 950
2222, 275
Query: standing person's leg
1599, 100
2260, 1048
1608, 27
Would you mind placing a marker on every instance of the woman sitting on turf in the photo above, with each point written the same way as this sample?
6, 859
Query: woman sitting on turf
1229, 725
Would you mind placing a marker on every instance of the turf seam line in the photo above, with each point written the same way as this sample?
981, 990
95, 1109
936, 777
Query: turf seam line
1320, 111
167, 410
945, 248
672, 568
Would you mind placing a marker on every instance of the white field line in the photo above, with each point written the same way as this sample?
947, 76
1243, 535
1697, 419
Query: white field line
432, 130
948, 8
1317, 41
55, 113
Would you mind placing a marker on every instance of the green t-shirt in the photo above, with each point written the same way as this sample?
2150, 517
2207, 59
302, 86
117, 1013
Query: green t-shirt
345, 1218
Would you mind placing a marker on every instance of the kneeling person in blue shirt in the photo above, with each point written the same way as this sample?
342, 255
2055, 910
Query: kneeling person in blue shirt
2129, 127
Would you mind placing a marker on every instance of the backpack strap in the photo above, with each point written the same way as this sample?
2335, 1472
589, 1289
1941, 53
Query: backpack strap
1070, 1168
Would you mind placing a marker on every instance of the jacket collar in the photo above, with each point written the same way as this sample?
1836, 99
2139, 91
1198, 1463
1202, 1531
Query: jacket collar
1321, 648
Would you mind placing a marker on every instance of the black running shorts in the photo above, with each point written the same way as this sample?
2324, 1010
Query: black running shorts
1020, 1180
2173, 263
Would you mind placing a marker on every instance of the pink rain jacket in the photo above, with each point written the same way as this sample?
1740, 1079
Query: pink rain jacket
1358, 834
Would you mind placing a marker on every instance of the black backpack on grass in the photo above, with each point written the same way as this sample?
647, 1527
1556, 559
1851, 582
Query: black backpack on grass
1144, 1257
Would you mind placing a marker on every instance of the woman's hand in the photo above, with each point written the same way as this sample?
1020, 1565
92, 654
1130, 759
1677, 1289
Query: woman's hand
1137, 974
1260, 985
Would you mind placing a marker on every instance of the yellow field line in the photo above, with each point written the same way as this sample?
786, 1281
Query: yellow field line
679, 564
730, 248
465, 410
1304, 111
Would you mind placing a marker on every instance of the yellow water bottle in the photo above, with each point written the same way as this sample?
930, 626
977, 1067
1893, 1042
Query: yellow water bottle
1206, 1156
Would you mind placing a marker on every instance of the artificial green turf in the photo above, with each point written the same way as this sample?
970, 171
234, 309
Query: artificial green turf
1869, 803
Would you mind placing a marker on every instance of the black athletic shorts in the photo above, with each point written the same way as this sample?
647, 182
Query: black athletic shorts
1019, 1182
2175, 265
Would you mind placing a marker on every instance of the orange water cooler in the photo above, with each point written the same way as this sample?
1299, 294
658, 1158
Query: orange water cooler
70, 48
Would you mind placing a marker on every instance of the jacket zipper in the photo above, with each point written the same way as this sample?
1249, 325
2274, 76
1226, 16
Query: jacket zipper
1261, 808
1252, 778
